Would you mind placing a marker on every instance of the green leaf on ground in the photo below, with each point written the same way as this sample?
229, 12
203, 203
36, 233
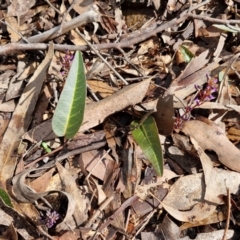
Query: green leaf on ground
186, 53
5, 197
69, 112
146, 136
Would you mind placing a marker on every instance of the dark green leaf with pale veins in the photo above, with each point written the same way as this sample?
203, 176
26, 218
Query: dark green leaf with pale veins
146, 136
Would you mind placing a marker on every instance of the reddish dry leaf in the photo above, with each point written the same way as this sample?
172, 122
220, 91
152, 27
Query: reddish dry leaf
94, 163
40, 184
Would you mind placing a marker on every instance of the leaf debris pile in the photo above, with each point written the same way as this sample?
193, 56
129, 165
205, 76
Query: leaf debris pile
140, 57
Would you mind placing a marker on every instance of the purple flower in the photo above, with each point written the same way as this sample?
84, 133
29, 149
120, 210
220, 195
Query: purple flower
197, 101
51, 218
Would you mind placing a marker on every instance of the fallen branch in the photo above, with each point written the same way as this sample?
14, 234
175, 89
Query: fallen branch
93, 16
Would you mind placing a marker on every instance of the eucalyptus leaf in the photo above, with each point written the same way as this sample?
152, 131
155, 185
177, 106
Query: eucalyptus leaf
146, 136
69, 112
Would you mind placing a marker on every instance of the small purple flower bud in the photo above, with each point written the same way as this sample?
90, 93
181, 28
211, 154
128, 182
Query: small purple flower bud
51, 218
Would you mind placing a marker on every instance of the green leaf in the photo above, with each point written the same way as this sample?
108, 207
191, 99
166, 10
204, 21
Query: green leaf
228, 28
146, 136
186, 53
69, 112
5, 197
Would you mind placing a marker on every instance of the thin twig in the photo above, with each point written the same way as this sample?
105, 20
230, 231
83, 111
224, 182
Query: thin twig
18, 33
55, 9
214, 20
228, 215
101, 57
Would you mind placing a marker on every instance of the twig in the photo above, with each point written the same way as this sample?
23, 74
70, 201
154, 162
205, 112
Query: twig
101, 57
228, 215
92, 15
55, 9
99, 211
214, 20
90, 173
18, 33
126, 43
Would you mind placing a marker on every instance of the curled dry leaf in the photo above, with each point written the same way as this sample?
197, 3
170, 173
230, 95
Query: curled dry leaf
69, 183
25, 193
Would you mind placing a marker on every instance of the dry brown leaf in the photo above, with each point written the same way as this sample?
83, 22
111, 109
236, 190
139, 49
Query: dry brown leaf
233, 134
216, 217
21, 119
211, 137
188, 192
94, 163
70, 186
20, 7
10, 216
13, 24
40, 184
80, 6
164, 115
96, 112
101, 88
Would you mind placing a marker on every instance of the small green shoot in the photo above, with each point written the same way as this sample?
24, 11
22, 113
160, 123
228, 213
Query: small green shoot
46, 148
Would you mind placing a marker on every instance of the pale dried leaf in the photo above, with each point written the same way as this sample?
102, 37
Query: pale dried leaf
69, 186
212, 137
215, 235
20, 7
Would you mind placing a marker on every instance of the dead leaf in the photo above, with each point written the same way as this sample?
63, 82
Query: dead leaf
164, 115
81, 201
20, 7
212, 138
21, 119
